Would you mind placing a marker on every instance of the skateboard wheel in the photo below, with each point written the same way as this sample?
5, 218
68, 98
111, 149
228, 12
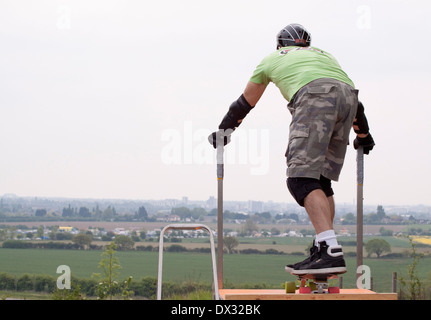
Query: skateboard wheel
290, 287
304, 290
333, 290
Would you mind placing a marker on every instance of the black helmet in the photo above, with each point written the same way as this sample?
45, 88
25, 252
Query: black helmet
293, 35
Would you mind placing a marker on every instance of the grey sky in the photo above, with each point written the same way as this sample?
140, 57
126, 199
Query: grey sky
114, 99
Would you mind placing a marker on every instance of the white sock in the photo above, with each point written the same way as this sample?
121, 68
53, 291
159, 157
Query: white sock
328, 236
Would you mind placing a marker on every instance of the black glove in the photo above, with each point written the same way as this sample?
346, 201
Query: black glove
220, 138
367, 143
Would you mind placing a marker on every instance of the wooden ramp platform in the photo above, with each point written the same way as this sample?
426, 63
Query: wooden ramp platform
274, 294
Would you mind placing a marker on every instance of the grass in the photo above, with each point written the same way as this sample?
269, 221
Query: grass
239, 269
24, 295
197, 295
83, 263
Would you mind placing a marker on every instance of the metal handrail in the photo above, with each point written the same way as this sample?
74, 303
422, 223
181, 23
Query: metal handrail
187, 226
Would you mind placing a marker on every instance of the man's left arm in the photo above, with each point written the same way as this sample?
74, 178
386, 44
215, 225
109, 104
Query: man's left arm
362, 130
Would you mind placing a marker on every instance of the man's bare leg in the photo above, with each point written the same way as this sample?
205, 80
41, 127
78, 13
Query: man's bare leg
332, 208
320, 210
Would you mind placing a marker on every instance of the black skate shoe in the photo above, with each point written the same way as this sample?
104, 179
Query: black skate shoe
314, 255
330, 261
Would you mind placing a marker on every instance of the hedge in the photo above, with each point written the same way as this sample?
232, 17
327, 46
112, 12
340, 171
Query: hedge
19, 244
145, 288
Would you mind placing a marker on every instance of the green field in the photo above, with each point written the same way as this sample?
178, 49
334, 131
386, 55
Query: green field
239, 269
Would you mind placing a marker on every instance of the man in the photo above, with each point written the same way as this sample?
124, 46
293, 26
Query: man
324, 106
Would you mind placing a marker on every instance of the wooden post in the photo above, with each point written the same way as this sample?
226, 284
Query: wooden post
394, 282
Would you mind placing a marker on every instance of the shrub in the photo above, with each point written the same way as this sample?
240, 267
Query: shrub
44, 283
273, 251
25, 283
250, 251
176, 248
147, 287
144, 248
297, 253
7, 281
16, 244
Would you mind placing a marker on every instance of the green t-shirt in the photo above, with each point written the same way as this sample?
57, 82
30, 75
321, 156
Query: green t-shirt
291, 68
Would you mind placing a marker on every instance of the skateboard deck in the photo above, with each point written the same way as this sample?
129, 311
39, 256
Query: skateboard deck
313, 283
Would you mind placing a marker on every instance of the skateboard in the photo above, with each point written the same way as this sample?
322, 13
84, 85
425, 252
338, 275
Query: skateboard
313, 283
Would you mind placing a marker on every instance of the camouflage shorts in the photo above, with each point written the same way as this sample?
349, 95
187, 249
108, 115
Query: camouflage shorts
322, 116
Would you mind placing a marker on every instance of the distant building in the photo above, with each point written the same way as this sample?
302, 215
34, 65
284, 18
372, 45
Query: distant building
173, 218
65, 229
185, 200
255, 206
211, 203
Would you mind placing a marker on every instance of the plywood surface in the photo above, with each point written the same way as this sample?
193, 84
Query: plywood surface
274, 294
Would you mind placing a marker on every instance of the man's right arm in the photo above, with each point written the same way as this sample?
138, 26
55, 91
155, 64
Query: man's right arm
236, 113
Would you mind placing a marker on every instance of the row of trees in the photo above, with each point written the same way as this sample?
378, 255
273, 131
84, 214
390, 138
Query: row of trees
106, 214
373, 246
79, 241
198, 214
21, 232
378, 217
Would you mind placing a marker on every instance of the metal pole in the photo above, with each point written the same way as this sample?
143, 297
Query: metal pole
181, 226
160, 272
220, 176
359, 208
